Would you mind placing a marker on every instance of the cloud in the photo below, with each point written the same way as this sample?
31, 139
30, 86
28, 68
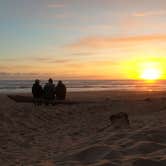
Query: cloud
84, 53
61, 61
97, 27
108, 42
69, 26
8, 59
8, 66
106, 63
150, 13
52, 60
56, 5
18, 75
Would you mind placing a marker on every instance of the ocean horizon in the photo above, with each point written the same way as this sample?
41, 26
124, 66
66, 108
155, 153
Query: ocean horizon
24, 86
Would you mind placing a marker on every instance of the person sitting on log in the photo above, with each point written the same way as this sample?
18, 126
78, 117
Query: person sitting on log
37, 92
49, 92
60, 91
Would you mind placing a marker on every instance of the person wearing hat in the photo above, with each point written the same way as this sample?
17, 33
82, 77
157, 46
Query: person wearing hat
37, 92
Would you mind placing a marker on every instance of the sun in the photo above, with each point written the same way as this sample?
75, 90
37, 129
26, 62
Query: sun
150, 69
151, 74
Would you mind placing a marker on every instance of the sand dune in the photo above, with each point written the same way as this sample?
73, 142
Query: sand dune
79, 134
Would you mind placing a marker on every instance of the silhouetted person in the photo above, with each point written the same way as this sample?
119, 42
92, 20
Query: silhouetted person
49, 92
37, 92
60, 91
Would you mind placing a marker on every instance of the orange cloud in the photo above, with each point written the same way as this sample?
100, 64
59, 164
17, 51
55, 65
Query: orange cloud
150, 13
108, 42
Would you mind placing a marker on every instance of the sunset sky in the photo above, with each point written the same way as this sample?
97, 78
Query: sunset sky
81, 39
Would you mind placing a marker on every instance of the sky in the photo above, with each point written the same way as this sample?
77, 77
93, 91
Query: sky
81, 39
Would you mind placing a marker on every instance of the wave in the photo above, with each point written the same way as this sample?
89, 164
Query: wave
86, 85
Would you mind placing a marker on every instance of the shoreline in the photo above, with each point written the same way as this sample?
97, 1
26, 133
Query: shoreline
24, 86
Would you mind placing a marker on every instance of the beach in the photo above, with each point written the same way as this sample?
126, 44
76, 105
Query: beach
81, 134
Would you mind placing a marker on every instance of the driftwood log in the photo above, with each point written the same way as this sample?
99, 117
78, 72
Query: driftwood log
29, 99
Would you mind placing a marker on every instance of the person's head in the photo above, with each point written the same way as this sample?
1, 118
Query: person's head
50, 80
59, 82
37, 81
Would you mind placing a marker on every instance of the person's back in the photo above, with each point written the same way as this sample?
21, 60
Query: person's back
49, 90
37, 89
60, 91
37, 92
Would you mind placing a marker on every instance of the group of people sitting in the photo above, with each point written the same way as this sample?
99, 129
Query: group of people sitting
48, 93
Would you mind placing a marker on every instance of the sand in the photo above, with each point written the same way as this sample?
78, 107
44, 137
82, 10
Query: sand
79, 134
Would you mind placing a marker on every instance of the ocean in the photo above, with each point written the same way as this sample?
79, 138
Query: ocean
24, 86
